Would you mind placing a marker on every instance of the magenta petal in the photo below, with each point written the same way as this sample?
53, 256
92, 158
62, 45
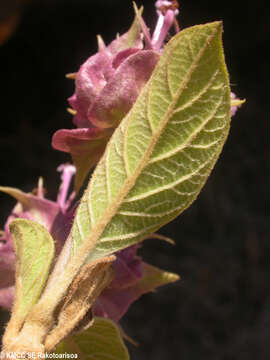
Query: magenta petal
33, 206
79, 120
122, 291
95, 72
113, 304
126, 276
73, 141
123, 55
122, 43
86, 146
90, 80
233, 108
121, 92
163, 26
127, 268
43, 211
132, 278
50, 215
67, 171
6, 251
128, 254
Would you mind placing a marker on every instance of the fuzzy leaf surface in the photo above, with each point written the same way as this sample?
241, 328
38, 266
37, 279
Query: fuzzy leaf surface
163, 151
34, 249
102, 341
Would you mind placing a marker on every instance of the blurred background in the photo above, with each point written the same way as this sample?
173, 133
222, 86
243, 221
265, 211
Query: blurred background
220, 310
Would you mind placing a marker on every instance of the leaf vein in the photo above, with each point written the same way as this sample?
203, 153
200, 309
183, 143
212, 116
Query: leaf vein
188, 140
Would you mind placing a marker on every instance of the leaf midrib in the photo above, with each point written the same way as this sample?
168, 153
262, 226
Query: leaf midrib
91, 239
131, 180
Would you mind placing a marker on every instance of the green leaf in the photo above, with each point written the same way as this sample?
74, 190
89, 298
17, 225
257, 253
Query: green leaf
162, 153
34, 250
102, 341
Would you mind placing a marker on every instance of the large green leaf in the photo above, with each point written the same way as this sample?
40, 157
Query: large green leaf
160, 156
102, 341
34, 249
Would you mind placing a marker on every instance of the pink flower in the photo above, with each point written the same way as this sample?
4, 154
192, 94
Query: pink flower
56, 217
106, 87
121, 292
132, 277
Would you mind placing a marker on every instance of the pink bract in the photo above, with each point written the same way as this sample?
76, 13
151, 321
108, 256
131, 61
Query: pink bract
56, 217
106, 87
130, 280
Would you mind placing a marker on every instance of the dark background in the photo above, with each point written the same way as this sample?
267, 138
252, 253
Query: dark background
220, 310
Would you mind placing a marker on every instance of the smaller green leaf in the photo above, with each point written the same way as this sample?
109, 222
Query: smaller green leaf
102, 341
34, 249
